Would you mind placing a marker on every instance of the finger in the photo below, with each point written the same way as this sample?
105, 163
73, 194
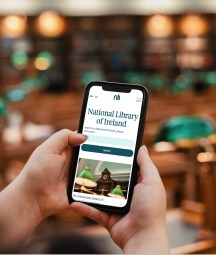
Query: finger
90, 212
77, 138
147, 167
67, 157
60, 140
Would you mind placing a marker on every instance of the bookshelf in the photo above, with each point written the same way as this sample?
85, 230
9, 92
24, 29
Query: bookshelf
111, 46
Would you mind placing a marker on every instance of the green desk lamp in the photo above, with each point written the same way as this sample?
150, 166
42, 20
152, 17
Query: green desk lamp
3, 108
15, 95
134, 77
210, 78
86, 179
181, 84
157, 82
186, 133
87, 77
116, 192
183, 132
30, 84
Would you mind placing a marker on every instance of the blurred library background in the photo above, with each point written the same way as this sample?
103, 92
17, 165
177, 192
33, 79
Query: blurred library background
49, 52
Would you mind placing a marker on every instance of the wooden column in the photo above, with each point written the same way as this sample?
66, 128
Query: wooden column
2, 154
208, 177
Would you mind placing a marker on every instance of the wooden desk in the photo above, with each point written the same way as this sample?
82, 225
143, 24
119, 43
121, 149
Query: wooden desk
173, 169
63, 111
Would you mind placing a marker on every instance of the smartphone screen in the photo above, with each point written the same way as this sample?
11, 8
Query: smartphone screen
105, 165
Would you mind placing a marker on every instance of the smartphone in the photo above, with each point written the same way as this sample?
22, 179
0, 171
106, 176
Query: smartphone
103, 170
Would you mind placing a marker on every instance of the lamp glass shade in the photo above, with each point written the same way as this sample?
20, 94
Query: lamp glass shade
185, 127
116, 192
85, 178
210, 78
158, 82
3, 108
19, 59
16, 95
181, 83
87, 77
134, 77
44, 60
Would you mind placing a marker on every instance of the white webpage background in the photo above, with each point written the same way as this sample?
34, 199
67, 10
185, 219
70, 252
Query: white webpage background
129, 103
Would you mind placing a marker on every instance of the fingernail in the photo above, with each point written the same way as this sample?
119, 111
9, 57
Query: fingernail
84, 136
145, 149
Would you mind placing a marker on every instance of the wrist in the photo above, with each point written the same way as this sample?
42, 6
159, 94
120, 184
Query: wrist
20, 213
29, 198
152, 239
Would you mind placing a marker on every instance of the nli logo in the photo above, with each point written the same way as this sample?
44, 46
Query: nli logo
116, 97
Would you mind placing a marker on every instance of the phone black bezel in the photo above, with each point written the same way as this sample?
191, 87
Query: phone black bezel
118, 87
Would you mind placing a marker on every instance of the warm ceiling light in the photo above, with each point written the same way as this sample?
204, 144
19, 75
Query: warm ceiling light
193, 25
159, 26
50, 24
13, 26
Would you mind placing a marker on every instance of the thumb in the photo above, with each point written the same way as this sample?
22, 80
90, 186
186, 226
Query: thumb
147, 167
60, 140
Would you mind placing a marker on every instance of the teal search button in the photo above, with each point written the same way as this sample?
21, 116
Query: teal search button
107, 150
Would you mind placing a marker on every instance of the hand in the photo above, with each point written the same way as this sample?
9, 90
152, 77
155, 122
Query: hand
143, 228
46, 171
38, 191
